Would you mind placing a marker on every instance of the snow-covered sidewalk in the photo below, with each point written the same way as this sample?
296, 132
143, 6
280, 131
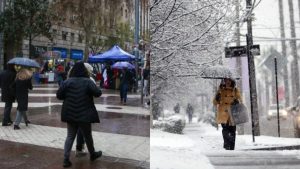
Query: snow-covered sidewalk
188, 151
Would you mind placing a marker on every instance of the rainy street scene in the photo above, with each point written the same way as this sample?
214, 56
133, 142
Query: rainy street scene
225, 84
75, 84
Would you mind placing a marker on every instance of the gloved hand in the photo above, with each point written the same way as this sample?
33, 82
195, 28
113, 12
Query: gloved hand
218, 97
235, 101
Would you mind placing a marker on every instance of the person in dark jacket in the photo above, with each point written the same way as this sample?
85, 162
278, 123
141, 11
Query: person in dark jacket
7, 78
125, 77
22, 85
78, 109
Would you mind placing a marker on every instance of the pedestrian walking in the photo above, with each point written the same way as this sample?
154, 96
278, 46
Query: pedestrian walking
78, 109
125, 79
227, 94
22, 85
7, 78
146, 75
190, 112
80, 138
60, 74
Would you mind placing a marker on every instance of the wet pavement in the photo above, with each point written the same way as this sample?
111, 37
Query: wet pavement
122, 135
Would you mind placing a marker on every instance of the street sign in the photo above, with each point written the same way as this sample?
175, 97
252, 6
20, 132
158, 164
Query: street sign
241, 51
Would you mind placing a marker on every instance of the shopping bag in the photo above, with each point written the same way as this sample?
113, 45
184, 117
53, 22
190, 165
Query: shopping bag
239, 113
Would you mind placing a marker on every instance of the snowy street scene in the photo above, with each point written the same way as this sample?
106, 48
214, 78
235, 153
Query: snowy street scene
225, 84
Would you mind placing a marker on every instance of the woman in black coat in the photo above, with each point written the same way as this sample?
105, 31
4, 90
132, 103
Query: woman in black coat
22, 85
78, 109
7, 79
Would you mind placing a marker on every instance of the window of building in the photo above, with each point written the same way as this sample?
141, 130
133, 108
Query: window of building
64, 35
121, 11
126, 13
72, 37
80, 38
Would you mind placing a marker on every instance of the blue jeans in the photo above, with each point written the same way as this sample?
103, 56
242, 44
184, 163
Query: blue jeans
7, 111
123, 92
19, 116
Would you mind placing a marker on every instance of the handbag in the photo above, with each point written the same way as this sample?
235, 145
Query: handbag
239, 113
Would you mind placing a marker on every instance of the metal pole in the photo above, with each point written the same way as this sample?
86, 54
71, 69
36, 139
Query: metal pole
2, 7
136, 41
276, 82
251, 68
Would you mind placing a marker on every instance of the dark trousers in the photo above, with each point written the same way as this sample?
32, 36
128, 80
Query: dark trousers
228, 136
7, 111
123, 92
79, 141
86, 130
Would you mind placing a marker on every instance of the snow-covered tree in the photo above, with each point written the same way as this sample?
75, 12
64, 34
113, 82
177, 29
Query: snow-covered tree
186, 37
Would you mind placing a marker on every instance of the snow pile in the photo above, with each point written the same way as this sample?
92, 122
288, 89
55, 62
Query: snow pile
173, 124
165, 147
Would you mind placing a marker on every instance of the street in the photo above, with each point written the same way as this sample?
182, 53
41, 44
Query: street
255, 160
122, 135
269, 127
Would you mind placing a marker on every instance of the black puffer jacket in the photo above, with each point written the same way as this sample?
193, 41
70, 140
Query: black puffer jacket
78, 105
7, 79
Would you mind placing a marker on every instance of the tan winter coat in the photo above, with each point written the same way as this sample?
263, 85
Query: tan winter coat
223, 107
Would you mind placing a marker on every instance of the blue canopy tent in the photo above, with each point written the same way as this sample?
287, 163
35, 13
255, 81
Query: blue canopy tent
114, 54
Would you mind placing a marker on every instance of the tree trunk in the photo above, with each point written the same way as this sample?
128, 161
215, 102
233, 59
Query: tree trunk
283, 48
294, 67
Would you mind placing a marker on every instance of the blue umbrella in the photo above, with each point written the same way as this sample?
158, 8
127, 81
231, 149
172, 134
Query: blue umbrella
24, 62
121, 65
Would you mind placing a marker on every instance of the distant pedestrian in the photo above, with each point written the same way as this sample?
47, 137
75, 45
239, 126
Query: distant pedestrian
22, 85
60, 74
125, 79
146, 75
7, 78
78, 109
190, 112
225, 96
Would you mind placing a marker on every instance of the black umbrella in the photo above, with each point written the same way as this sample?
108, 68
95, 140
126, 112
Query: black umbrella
24, 62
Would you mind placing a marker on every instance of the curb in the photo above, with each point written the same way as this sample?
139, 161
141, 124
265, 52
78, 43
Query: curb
295, 147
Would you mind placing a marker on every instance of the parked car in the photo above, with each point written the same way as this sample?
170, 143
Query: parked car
295, 112
272, 112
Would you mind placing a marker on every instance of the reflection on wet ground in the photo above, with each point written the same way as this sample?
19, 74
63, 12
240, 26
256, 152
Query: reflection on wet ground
129, 124
25, 156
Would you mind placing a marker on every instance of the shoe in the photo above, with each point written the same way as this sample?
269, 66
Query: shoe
6, 124
27, 122
80, 153
16, 127
67, 163
95, 155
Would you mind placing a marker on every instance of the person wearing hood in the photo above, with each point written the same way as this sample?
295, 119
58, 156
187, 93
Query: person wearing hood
22, 85
226, 95
7, 78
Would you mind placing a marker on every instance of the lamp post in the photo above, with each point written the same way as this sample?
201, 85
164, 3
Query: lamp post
136, 41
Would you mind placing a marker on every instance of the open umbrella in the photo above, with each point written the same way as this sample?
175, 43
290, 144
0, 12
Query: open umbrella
121, 65
24, 62
219, 72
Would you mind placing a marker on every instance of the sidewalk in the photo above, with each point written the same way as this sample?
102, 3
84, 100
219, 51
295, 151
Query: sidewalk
122, 135
200, 142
